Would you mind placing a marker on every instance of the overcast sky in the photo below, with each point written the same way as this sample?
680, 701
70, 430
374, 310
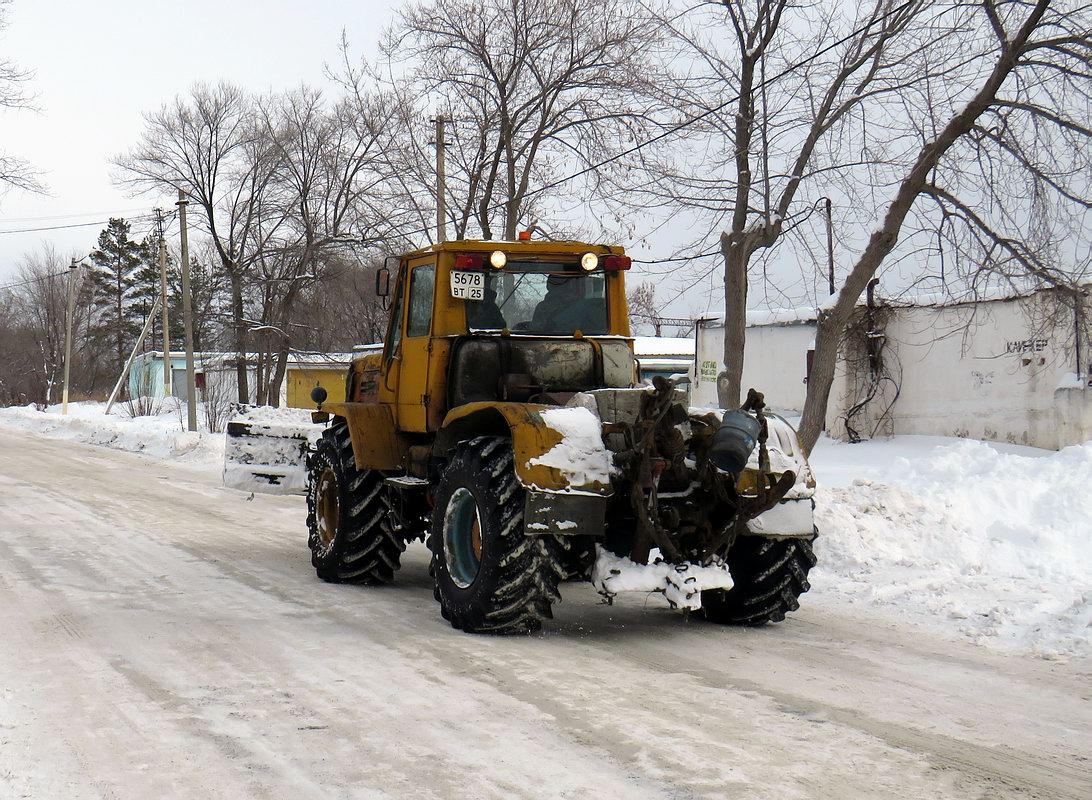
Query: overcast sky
98, 65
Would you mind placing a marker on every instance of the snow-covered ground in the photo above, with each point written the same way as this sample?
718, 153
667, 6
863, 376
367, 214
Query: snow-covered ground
989, 542
985, 542
163, 636
161, 435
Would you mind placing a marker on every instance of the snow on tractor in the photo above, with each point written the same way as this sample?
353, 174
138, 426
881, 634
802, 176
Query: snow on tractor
501, 422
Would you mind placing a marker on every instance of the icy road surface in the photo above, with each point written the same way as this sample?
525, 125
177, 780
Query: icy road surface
161, 636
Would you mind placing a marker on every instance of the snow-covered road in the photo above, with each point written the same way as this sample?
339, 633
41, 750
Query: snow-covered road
161, 636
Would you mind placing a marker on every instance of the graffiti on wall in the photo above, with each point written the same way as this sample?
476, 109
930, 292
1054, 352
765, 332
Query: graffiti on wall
1022, 346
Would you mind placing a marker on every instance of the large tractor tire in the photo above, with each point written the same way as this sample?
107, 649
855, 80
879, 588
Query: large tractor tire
349, 532
490, 576
576, 554
769, 575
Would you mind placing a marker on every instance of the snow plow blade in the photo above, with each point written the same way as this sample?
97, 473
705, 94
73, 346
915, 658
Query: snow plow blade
265, 449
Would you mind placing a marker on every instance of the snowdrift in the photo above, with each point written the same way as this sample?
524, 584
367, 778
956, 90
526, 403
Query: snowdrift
989, 541
162, 435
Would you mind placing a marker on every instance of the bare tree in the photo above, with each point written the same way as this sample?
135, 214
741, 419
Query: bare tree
794, 76
531, 88
38, 307
343, 311
327, 188
1020, 84
208, 146
14, 172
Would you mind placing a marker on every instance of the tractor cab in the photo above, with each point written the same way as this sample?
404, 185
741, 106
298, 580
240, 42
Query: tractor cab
498, 321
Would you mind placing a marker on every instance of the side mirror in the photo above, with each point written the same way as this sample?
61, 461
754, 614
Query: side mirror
383, 283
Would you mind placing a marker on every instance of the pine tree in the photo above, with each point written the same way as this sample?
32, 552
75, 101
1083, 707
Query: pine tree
207, 294
146, 289
115, 262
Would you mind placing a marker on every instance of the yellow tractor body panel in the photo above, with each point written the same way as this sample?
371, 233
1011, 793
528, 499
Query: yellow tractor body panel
376, 442
532, 438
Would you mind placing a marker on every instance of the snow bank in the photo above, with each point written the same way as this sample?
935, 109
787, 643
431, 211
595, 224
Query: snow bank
989, 542
161, 436
580, 456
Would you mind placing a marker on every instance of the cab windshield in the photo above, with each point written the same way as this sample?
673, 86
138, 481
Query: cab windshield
537, 297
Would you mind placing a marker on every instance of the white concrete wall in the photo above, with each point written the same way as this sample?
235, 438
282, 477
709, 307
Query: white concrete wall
775, 363
1074, 408
986, 371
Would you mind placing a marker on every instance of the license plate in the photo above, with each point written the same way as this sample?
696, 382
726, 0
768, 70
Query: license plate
468, 285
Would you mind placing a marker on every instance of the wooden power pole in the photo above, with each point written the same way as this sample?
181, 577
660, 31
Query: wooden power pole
441, 181
73, 270
163, 305
187, 316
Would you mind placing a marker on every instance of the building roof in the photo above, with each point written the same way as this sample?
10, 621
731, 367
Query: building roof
663, 346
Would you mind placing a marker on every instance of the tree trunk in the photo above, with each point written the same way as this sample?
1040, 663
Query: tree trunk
237, 311
278, 374
828, 335
729, 382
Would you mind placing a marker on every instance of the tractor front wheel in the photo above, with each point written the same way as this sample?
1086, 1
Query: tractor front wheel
349, 530
490, 576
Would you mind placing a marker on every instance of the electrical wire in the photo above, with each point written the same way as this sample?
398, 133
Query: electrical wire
73, 225
114, 213
675, 259
33, 280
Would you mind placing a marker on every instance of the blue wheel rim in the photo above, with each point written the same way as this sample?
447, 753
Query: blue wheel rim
462, 537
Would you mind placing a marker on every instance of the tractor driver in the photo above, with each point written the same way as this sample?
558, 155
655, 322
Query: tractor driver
565, 308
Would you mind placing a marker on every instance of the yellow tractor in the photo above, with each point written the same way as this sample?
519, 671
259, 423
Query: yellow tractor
502, 422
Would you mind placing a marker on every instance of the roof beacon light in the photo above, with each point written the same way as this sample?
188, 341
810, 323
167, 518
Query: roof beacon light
589, 261
498, 259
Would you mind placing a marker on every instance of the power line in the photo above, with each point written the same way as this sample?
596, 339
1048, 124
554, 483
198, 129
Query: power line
34, 280
114, 212
73, 225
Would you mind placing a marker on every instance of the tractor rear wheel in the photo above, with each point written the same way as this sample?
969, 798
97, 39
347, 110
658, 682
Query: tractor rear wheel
490, 576
769, 575
349, 530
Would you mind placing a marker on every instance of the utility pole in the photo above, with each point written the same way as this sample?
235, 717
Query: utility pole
148, 320
441, 181
187, 315
163, 305
73, 270
830, 246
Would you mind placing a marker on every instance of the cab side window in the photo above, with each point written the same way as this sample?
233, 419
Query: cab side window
394, 337
422, 288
